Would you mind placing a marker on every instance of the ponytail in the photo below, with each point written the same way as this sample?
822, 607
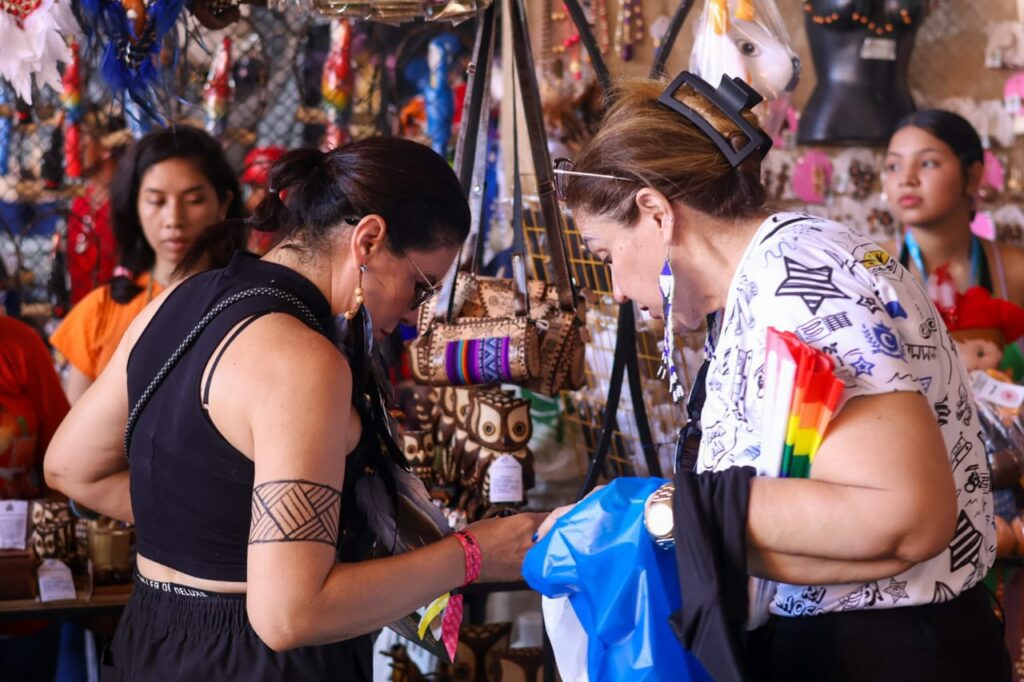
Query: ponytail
310, 193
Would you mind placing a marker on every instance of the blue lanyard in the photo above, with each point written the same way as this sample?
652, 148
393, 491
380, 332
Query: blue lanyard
915, 253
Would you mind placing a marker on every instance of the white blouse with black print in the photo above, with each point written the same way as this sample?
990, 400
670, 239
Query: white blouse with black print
842, 293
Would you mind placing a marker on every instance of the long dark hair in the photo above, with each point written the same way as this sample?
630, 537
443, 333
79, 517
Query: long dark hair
311, 193
953, 129
176, 142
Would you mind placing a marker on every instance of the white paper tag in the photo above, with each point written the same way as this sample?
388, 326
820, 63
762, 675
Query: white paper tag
882, 49
55, 581
13, 524
506, 480
997, 392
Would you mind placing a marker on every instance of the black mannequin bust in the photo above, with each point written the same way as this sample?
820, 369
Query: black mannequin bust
861, 51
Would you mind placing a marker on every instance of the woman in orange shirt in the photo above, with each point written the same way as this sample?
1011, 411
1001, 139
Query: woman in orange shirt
172, 186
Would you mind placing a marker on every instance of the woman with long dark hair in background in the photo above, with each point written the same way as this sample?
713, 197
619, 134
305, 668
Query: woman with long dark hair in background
168, 189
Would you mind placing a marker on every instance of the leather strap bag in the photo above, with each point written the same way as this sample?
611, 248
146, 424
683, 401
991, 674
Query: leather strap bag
484, 330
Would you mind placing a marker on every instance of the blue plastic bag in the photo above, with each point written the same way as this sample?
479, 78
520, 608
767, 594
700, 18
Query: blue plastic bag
622, 587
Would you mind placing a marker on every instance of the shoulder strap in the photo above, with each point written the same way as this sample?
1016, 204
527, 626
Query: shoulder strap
554, 224
471, 153
997, 258
306, 315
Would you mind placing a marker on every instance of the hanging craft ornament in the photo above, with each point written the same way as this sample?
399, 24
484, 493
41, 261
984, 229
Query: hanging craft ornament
746, 39
667, 284
337, 84
812, 177
71, 100
219, 90
33, 42
401, 11
129, 35
437, 96
6, 124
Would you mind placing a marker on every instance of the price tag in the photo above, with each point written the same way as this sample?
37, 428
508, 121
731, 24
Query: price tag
55, 581
13, 524
997, 392
881, 49
506, 480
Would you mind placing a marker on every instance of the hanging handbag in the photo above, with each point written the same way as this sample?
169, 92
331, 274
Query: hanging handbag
485, 330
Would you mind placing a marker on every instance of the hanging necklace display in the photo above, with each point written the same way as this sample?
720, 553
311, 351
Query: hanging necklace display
880, 23
567, 49
600, 24
629, 28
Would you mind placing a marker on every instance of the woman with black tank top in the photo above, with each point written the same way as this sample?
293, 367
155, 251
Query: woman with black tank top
241, 466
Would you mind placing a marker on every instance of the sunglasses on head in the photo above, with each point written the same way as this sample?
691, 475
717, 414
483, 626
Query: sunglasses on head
565, 170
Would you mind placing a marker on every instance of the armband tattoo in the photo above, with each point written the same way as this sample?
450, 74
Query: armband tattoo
295, 511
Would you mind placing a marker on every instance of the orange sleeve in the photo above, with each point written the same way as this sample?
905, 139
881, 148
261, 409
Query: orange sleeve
77, 337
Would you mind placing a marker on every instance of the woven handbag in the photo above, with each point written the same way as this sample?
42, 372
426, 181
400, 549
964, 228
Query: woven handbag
484, 330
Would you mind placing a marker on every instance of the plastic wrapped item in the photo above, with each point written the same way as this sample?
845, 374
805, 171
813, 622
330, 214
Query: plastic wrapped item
621, 587
746, 39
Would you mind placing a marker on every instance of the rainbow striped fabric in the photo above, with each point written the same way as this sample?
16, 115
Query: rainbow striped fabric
479, 361
803, 394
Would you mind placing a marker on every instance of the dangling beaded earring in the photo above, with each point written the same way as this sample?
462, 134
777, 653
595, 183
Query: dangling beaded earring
360, 296
667, 284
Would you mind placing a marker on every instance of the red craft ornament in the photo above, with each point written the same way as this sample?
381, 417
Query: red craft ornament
977, 310
71, 99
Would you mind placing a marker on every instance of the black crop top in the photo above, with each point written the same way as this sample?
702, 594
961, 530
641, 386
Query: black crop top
191, 490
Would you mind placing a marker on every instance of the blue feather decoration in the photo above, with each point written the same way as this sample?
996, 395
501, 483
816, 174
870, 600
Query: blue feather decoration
128, 64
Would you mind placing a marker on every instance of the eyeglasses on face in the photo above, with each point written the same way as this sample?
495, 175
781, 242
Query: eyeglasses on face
424, 290
565, 170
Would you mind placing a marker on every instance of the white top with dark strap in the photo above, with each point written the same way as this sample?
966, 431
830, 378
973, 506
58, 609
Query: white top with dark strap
842, 293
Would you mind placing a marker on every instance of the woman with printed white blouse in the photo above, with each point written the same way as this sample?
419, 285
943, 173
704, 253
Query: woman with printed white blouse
873, 564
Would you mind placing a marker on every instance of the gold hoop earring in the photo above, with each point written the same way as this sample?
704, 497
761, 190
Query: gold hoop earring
360, 295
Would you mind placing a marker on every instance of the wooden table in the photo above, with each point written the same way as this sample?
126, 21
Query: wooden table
103, 603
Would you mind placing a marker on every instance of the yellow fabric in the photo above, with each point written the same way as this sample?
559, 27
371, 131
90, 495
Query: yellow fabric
89, 334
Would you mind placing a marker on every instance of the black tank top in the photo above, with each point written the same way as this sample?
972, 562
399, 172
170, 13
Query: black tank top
191, 490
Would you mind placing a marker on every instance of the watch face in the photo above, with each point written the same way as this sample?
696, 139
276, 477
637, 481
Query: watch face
660, 520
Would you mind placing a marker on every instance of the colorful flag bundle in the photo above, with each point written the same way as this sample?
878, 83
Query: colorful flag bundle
803, 393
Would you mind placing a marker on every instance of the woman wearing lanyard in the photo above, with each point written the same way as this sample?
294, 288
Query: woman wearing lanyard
933, 171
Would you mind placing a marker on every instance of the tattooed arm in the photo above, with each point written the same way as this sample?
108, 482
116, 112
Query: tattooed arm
301, 427
880, 499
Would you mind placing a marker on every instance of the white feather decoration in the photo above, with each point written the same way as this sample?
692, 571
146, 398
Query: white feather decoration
34, 46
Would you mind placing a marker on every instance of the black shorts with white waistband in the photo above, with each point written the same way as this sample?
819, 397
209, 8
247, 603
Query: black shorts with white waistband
172, 632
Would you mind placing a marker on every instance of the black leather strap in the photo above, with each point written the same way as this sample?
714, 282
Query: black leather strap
579, 18
472, 135
668, 41
554, 224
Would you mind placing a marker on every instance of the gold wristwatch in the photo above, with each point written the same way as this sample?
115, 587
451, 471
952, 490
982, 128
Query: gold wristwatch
659, 517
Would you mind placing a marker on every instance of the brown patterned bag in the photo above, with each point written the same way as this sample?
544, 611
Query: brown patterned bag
485, 330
